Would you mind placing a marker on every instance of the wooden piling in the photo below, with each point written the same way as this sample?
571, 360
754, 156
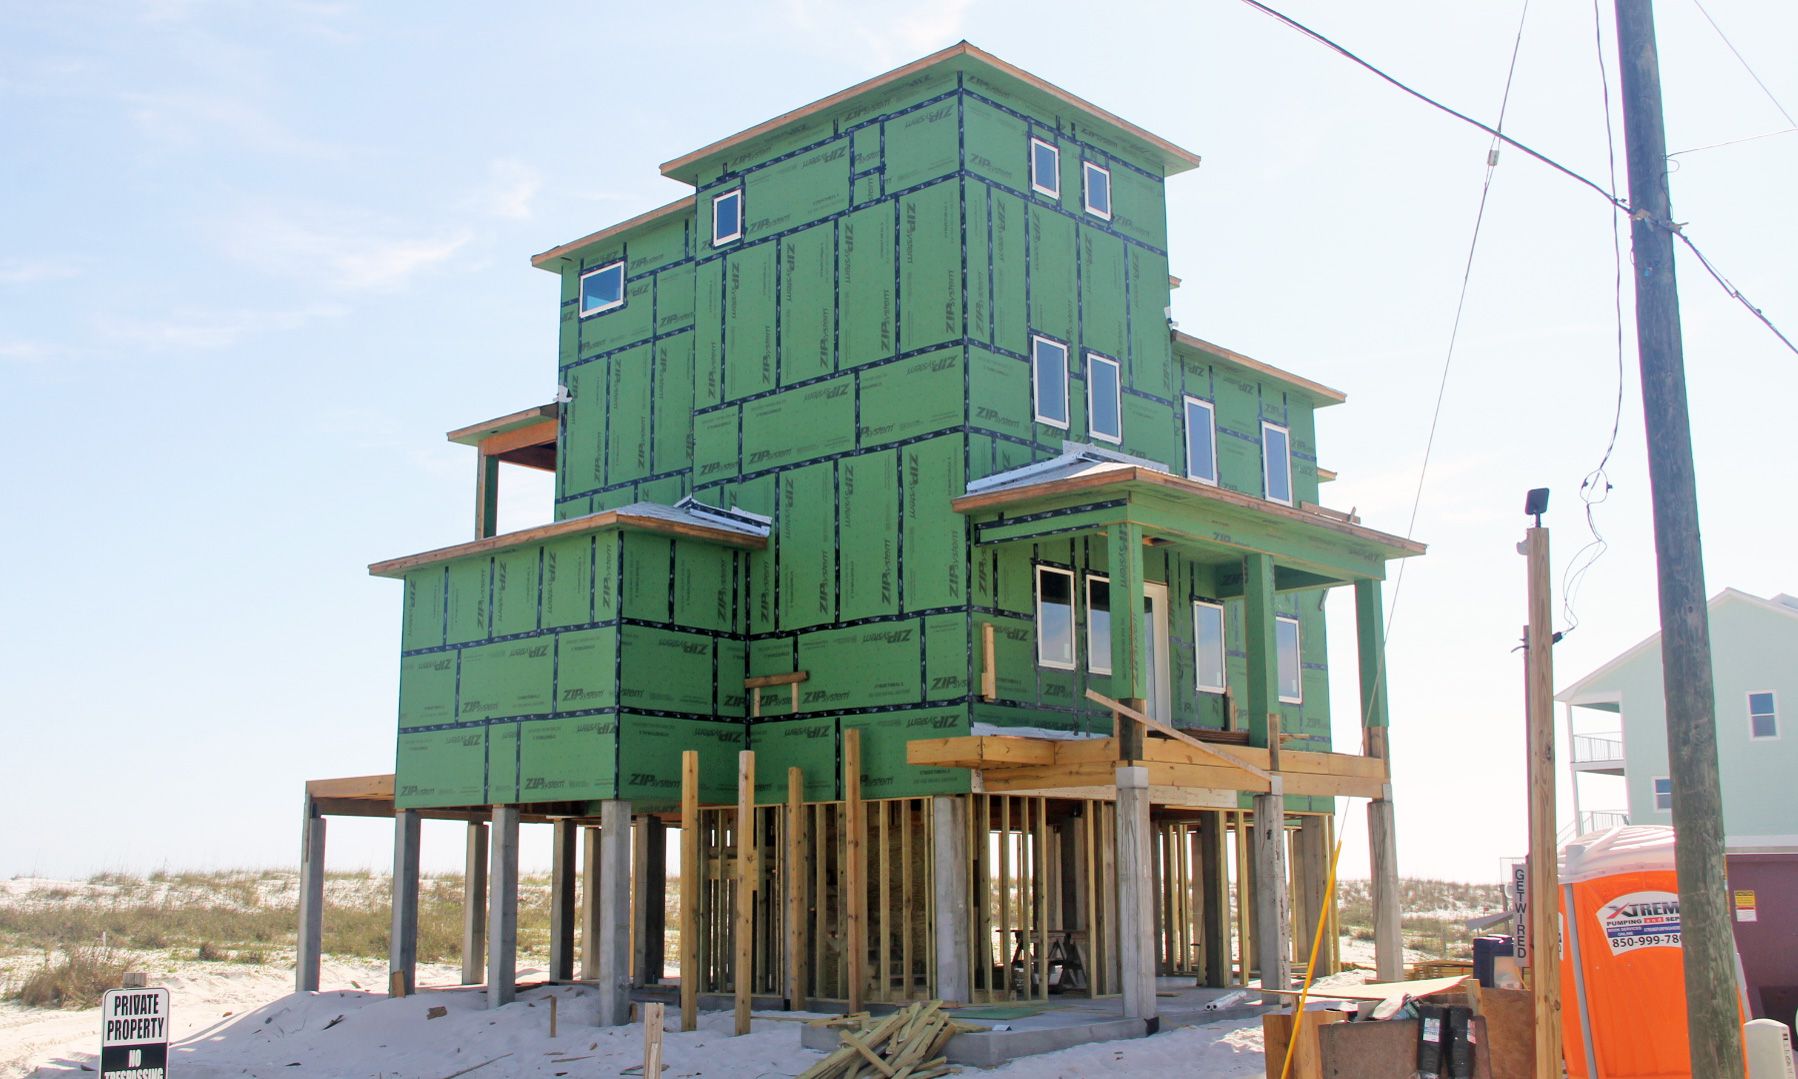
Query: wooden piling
690, 871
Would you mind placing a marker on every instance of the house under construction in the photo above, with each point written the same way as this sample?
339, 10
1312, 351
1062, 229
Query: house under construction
964, 617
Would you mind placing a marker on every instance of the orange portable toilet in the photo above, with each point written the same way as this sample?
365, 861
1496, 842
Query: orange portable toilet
1623, 992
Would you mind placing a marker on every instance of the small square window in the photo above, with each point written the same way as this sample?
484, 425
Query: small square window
602, 289
1208, 642
1049, 380
1763, 716
727, 217
1663, 793
1104, 404
1055, 617
1286, 644
1098, 624
1276, 462
1098, 189
1045, 168
1201, 441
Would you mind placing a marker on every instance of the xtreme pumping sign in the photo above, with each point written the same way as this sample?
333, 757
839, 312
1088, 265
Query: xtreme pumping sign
134, 1034
1640, 920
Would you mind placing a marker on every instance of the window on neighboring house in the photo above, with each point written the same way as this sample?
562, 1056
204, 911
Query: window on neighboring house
1055, 617
1045, 168
1104, 402
1286, 645
1208, 642
727, 217
1201, 441
1097, 182
1663, 793
1049, 380
1763, 717
1276, 462
1098, 624
602, 289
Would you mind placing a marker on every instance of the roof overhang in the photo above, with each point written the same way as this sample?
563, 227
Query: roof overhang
527, 437
553, 259
1319, 394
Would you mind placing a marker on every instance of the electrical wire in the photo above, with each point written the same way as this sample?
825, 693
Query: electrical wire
1744, 62
1669, 226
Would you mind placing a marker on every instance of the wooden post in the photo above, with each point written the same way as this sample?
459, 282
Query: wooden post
855, 869
1544, 898
1129, 649
1135, 879
502, 908
1311, 866
1272, 912
949, 881
1704, 903
311, 938
1245, 926
989, 672
474, 903
561, 900
652, 1039
795, 888
552, 1014
1214, 877
589, 904
690, 871
1382, 825
614, 913
748, 873
402, 944
649, 904
486, 495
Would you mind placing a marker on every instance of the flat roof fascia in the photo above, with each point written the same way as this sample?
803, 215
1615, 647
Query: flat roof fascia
553, 259
476, 433
1320, 394
574, 526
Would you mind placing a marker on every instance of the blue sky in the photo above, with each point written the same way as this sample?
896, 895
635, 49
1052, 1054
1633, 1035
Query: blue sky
256, 259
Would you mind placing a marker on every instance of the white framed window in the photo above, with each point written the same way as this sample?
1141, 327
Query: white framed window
1663, 792
602, 289
1045, 168
1098, 624
1095, 180
727, 217
1763, 715
1104, 399
1049, 380
1286, 648
1208, 645
1055, 617
1201, 441
1276, 462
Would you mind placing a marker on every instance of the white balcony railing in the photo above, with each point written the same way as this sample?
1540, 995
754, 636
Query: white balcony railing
1597, 748
1600, 820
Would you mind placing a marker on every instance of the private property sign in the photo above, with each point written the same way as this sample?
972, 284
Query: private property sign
134, 1034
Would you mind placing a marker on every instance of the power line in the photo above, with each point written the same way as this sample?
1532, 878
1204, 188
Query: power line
1733, 142
1675, 228
1744, 61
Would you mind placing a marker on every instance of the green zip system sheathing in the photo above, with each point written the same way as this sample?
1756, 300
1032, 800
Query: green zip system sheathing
845, 369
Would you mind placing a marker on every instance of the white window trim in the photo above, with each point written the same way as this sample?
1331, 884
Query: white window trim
1054, 189
1267, 487
1036, 584
1223, 664
1087, 168
1036, 388
581, 289
736, 193
1211, 414
1298, 656
1654, 794
1099, 357
1093, 651
1748, 700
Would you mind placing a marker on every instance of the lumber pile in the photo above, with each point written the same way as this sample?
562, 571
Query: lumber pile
907, 1044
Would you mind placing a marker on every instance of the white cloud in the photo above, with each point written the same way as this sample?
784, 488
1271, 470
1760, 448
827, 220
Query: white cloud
871, 30
349, 250
512, 186
27, 351
31, 271
187, 119
200, 331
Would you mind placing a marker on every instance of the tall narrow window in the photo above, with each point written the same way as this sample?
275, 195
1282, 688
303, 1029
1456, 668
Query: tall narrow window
1049, 380
1098, 624
1104, 403
1286, 645
1201, 441
1763, 716
1208, 642
1045, 168
1276, 462
1663, 793
602, 289
1055, 617
1097, 182
727, 217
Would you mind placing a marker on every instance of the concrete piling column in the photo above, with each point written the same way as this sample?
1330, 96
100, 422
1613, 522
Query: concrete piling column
402, 943
649, 908
1135, 880
561, 901
310, 948
614, 913
474, 905
1388, 935
949, 854
502, 909
589, 904
1273, 907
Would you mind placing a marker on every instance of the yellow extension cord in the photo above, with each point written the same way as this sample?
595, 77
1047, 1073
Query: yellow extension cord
1317, 938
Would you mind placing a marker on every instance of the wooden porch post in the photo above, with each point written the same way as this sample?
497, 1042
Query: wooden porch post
1272, 910
1370, 637
1129, 652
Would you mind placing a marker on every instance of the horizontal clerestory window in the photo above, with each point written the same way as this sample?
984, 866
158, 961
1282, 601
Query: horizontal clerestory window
727, 217
1049, 380
1096, 179
1045, 168
1055, 617
1104, 401
1286, 648
602, 289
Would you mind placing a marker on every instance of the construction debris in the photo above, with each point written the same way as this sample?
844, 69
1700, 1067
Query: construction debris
907, 1044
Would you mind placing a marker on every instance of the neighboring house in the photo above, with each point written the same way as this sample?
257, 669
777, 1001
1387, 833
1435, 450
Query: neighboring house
880, 439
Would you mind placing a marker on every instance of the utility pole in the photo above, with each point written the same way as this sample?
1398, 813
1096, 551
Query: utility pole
1544, 890
1706, 939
